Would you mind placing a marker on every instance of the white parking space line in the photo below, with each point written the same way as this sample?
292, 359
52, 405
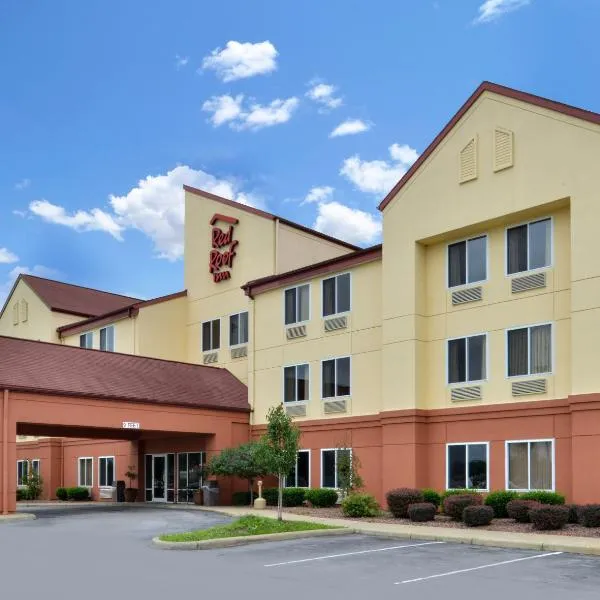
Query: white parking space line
305, 560
498, 564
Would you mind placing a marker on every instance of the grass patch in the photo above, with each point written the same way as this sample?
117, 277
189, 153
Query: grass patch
244, 526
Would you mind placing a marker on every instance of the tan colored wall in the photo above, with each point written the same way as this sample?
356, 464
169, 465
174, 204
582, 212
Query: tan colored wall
124, 336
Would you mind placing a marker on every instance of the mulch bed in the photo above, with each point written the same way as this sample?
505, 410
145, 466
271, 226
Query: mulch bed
442, 521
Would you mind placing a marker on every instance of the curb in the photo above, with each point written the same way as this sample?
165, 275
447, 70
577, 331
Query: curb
248, 539
17, 517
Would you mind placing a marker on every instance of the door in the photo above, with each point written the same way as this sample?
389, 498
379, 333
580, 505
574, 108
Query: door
159, 478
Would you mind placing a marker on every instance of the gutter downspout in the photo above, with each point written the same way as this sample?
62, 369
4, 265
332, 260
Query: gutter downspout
5, 454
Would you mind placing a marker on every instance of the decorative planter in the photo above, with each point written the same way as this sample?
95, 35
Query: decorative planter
198, 497
131, 494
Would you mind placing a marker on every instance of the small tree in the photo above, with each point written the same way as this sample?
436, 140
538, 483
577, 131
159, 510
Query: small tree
131, 474
348, 465
33, 483
280, 447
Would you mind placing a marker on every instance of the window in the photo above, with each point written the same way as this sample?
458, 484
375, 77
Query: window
336, 294
85, 474
106, 471
529, 246
296, 383
22, 470
467, 359
336, 377
35, 466
297, 304
529, 350
211, 335
329, 466
86, 340
530, 465
107, 338
238, 329
190, 468
300, 474
467, 261
467, 466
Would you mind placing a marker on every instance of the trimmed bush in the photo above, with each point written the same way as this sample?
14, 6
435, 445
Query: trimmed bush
422, 512
21, 494
400, 499
360, 505
270, 495
293, 496
589, 515
431, 496
573, 513
519, 509
322, 497
78, 493
543, 497
455, 505
476, 516
61, 493
498, 501
547, 517
238, 498
457, 492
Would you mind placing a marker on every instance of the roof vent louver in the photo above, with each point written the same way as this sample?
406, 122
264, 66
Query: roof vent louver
529, 387
503, 149
335, 323
528, 282
467, 295
468, 161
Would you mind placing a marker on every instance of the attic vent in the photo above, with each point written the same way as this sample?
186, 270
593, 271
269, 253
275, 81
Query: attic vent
210, 357
472, 392
503, 149
334, 406
24, 311
468, 161
297, 331
336, 323
528, 282
16, 313
526, 388
239, 352
295, 410
468, 295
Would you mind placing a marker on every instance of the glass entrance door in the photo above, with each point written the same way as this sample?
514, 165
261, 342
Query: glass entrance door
159, 478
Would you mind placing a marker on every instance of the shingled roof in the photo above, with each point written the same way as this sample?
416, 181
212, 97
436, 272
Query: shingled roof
54, 369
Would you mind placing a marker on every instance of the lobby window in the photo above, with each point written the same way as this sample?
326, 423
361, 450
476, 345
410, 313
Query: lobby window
467, 466
467, 261
107, 338
329, 466
336, 295
467, 359
300, 474
529, 350
86, 340
296, 383
238, 329
335, 377
297, 304
22, 471
85, 477
530, 465
529, 246
106, 471
211, 335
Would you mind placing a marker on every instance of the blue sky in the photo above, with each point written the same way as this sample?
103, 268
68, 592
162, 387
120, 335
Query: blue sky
243, 99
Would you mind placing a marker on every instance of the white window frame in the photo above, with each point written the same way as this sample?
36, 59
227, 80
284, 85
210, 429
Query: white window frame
100, 471
336, 487
295, 402
297, 321
529, 442
237, 314
336, 358
487, 262
211, 321
87, 333
487, 464
79, 459
487, 360
538, 269
552, 346
296, 469
22, 461
114, 338
337, 312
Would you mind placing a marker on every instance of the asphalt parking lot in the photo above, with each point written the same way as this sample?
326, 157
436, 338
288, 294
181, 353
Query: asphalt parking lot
108, 553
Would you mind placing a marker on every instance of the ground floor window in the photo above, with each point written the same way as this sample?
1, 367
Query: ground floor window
85, 477
190, 467
530, 465
300, 475
106, 471
467, 466
24, 467
329, 466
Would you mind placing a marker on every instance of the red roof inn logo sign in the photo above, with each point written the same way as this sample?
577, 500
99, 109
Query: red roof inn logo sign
223, 248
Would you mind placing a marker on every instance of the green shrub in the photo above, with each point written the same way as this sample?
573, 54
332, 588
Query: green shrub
422, 512
321, 497
21, 494
498, 501
400, 499
543, 497
239, 498
547, 517
78, 493
431, 496
270, 495
61, 493
454, 505
573, 513
360, 505
476, 516
589, 515
519, 509
293, 496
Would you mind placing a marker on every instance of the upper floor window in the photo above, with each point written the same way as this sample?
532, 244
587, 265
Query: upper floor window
529, 350
211, 335
107, 338
467, 359
295, 383
297, 304
336, 294
467, 261
238, 329
336, 377
529, 246
86, 340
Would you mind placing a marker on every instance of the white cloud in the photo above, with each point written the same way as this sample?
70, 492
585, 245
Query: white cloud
324, 94
350, 127
181, 61
224, 108
81, 220
7, 257
350, 224
240, 60
379, 176
23, 184
318, 194
491, 10
38, 270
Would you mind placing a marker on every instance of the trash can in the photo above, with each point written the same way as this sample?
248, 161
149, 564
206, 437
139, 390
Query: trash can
211, 493
120, 491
